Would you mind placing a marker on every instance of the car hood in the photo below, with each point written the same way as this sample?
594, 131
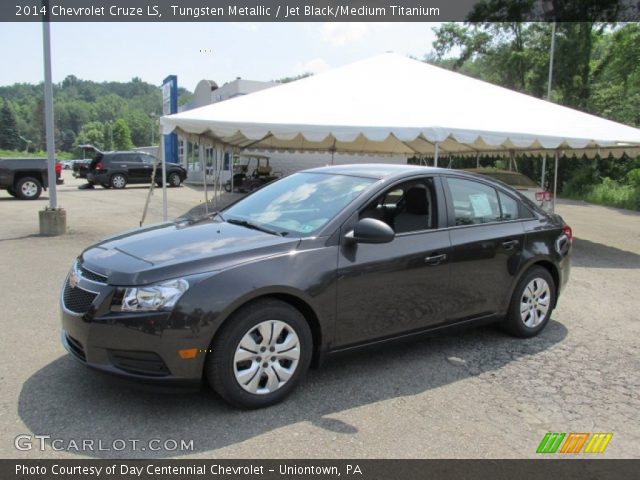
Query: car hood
176, 249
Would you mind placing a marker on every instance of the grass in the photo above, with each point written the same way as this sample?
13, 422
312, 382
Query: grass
620, 196
40, 154
611, 194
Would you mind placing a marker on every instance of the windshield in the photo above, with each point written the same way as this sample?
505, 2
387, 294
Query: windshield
301, 203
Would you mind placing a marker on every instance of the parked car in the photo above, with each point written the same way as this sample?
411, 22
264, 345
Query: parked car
67, 164
522, 183
117, 169
80, 168
319, 262
25, 178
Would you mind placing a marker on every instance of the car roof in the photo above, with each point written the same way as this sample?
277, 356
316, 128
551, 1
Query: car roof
377, 170
506, 176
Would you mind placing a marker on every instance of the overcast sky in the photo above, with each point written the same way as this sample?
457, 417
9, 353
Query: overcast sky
193, 51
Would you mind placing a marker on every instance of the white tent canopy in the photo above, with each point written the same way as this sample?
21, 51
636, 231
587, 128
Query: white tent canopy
389, 104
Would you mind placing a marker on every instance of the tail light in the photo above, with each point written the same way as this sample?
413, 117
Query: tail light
99, 166
566, 229
543, 196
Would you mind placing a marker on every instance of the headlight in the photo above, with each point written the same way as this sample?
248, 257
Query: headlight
161, 296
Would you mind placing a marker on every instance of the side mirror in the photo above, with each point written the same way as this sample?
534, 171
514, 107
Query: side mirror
370, 230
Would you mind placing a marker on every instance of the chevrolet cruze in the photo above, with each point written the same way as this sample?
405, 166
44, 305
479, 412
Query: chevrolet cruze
319, 262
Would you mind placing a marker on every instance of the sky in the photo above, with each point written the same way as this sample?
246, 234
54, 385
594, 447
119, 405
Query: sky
193, 51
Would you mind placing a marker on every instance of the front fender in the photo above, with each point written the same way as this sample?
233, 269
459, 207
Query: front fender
307, 276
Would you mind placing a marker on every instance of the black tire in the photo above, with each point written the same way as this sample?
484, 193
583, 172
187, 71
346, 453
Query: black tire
219, 365
227, 187
11, 191
118, 181
174, 180
522, 304
28, 188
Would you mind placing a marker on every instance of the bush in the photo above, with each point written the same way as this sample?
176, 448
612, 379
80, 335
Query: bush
633, 178
612, 194
581, 182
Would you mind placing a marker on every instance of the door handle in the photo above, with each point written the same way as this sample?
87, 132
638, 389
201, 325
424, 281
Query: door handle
435, 259
509, 244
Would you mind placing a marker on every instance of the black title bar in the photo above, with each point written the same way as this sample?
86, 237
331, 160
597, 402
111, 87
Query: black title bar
317, 11
544, 469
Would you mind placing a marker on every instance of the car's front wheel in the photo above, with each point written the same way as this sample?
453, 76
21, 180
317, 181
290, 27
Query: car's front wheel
531, 304
260, 354
118, 181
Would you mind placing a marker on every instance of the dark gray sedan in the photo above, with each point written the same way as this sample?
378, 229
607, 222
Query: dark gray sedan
319, 262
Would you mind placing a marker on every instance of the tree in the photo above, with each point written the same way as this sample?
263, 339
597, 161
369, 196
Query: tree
9, 137
92, 133
67, 140
140, 126
121, 135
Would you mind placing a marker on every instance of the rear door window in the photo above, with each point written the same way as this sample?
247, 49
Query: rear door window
473, 202
509, 207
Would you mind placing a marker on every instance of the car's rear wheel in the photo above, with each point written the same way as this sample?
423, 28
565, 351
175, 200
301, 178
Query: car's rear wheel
260, 355
118, 181
28, 188
174, 179
531, 304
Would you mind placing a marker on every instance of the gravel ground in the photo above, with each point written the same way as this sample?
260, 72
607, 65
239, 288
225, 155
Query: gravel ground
476, 394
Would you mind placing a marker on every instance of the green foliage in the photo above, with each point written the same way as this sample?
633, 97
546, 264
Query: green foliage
35, 154
613, 194
596, 69
633, 178
80, 105
9, 137
92, 133
121, 135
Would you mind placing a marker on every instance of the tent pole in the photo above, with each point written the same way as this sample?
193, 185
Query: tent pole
435, 156
544, 168
555, 182
165, 214
203, 163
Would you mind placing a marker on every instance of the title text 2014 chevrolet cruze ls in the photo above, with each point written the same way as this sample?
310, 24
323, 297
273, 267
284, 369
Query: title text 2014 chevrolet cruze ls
319, 262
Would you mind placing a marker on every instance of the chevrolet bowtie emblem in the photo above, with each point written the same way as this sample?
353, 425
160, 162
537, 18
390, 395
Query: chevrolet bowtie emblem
73, 278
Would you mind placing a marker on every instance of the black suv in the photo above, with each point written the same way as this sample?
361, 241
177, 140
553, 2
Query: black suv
117, 169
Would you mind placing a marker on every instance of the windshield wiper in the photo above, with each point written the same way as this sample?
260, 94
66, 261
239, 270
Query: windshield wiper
255, 226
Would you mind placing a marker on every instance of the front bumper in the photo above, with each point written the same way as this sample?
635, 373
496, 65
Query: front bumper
138, 346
